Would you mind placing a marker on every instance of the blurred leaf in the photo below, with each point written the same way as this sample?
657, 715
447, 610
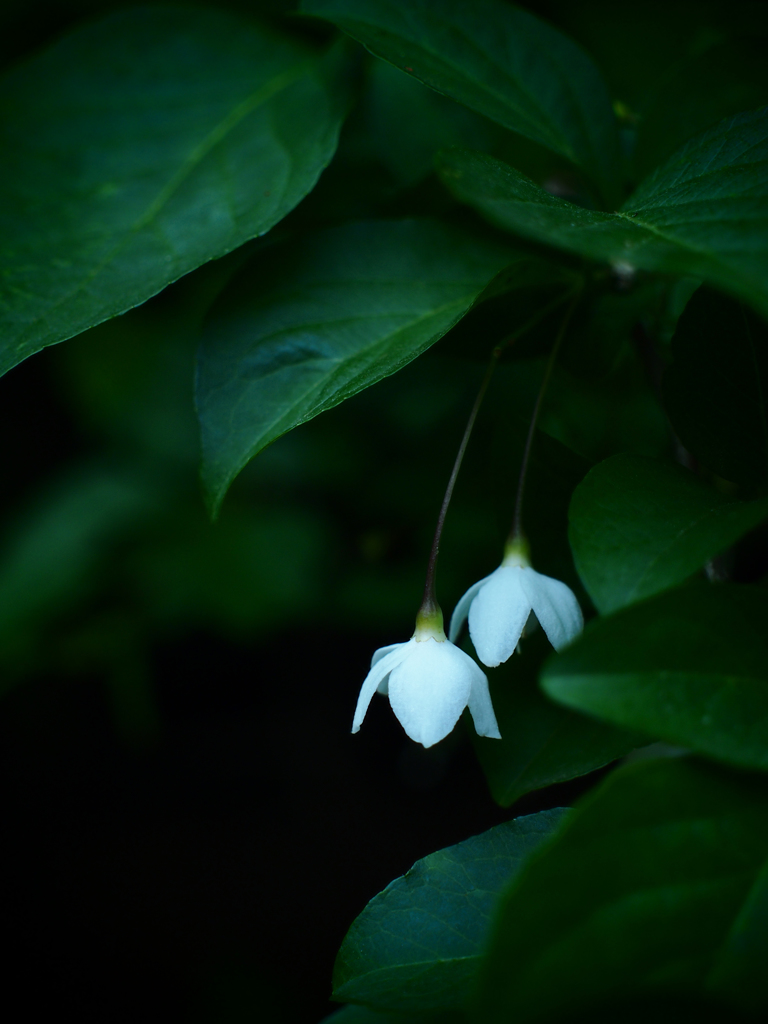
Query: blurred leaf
716, 390
305, 326
255, 568
417, 944
689, 666
408, 123
703, 214
639, 526
739, 971
500, 61
635, 897
51, 555
141, 146
541, 743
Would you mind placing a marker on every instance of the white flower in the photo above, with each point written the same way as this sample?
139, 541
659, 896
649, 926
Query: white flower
499, 606
429, 682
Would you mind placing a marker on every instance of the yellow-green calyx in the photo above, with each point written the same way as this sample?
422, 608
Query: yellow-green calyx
517, 553
429, 624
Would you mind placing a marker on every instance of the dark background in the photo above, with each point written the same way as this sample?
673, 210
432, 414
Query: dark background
189, 827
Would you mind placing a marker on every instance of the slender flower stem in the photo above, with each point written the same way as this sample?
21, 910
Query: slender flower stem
429, 605
516, 533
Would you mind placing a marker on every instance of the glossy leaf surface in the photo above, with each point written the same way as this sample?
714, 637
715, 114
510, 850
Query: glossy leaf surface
141, 146
416, 945
638, 526
704, 213
689, 666
307, 325
635, 896
500, 61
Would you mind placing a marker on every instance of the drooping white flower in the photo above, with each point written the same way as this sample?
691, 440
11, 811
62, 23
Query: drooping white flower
429, 682
498, 607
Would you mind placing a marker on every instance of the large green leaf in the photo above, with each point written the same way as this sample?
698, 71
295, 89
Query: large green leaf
306, 325
716, 389
689, 666
141, 146
704, 213
636, 896
541, 743
638, 526
417, 944
498, 60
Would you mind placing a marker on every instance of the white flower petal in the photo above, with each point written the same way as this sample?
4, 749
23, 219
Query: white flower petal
429, 690
498, 614
480, 706
461, 610
377, 676
382, 652
555, 606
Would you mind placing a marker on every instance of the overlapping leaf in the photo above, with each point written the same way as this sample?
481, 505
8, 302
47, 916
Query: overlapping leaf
689, 666
305, 326
637, 895
141, 146
417, 944
704, 213
541, 743
638, 526
502, 62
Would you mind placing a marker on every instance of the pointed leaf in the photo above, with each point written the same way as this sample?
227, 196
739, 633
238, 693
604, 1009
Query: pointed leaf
704, 213
541, 743
417, 944
141, 146
635, 896
306, 325
638, 527
500, 61
689, 666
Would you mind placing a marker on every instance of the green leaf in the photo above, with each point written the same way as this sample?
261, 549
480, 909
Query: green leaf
689, 666
500, 61
541, 743
416, 945
716, 390
362, 1015
141, 146
638, 526
51, 556
306, 325
635, 897
704, 213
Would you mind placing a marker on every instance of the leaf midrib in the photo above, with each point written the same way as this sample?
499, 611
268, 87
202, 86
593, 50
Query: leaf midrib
228, 123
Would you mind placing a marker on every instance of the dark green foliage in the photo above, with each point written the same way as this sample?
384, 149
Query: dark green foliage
716, 390
638, 527
143, 145
416, 946
452, 176
689, 666
645, 885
